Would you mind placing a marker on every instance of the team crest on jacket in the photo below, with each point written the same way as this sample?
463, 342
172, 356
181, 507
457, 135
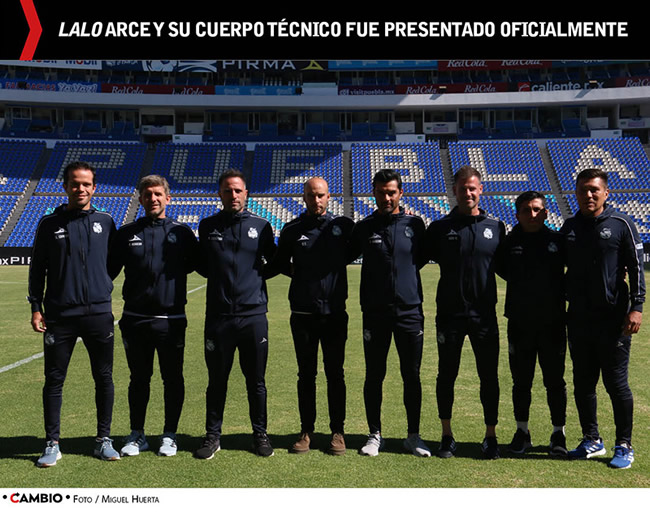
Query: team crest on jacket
408, 231
552, 247
171, 238
487, 233
605, 233
97, 227
252, 232
336, 231
215, 235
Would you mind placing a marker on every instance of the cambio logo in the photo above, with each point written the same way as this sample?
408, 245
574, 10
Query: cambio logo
41, 498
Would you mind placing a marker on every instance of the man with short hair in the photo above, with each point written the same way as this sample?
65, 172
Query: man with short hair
312, 250
234, 245
464, 243
391, 243
70, 251
531, 260
603, 247
157, 253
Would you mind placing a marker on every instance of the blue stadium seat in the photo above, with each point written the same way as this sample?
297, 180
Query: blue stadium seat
505, 165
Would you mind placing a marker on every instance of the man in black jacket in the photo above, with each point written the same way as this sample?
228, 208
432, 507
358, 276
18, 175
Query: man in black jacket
233, 245
312, 250
70, 251
157, 253
531, 260
464, 243
391, 243
603, 247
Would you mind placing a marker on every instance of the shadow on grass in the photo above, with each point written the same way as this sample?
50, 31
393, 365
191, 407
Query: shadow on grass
29, 448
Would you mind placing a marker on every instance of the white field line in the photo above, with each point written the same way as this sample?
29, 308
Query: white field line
40, 355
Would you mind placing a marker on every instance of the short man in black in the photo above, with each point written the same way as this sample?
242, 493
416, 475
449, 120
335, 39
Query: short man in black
312, 250
70, 252
157, 253
603, 248
391, 243
234, 245
531, 260
464, 243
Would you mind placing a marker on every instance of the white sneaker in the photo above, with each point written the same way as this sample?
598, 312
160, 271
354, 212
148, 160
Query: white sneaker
373, 445
167, 445
50, 456
134, 443
415, 445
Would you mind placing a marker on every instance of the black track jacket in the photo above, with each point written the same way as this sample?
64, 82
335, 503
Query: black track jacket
70, 251
233, 248
312, 250
600, 251
157, 255
392, 246
464, 247
533, 266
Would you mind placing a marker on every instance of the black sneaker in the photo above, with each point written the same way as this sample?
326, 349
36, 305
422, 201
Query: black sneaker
490, 448
210, 445
447, 447
520, 442
262, 445
558, 444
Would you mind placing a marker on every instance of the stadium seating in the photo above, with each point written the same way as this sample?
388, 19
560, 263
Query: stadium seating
38, 206
195, 168
505, 166
278, 170
118, 165
418, 163
7, 206
429, 208
634, 204
502, 206
283, 168
18, 160
624, 160
277, 210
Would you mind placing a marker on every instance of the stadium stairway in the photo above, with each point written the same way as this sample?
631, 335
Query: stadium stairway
445, 161
562, 203
348, 201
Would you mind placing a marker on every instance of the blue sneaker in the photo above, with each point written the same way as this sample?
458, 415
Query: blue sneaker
104, 450
588, 449
623, 457
50, 456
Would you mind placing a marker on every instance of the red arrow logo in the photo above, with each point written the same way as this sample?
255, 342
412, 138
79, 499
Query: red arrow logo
35, 30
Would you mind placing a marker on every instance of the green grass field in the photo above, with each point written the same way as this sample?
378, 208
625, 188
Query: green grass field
21, 428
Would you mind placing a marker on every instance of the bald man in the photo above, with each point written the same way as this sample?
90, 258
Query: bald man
312, 252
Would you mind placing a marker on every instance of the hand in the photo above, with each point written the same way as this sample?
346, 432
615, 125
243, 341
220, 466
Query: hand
38, 322
632, 323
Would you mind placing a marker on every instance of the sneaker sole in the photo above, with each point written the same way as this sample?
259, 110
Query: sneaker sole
103, 458
140, 449
521, 451
368, 454
445, 454
265, 455
601, 452
336, 452
46, 465
561, 451
620, 468
209, 457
